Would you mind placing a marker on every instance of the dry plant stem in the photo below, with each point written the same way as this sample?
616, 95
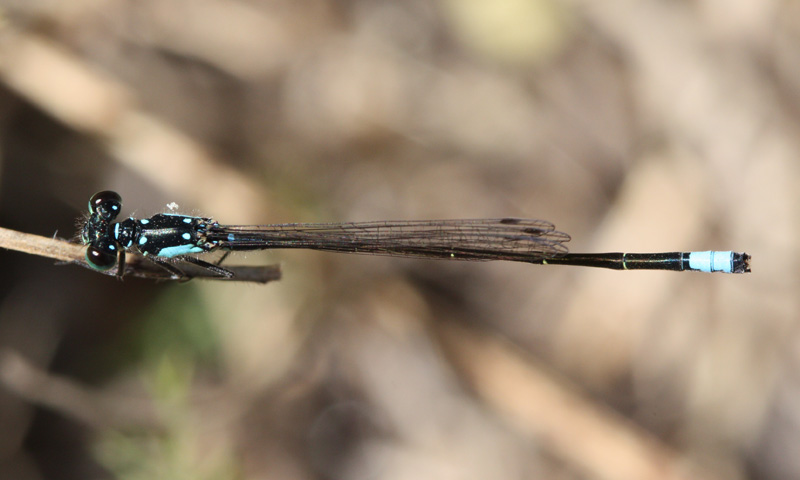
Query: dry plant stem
136, 265
595, 439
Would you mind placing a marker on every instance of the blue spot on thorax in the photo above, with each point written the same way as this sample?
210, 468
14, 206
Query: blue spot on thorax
170, 252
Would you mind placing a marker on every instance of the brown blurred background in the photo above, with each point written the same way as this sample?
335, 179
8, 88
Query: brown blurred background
633, 126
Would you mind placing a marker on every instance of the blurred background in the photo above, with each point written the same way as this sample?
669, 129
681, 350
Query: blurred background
633, 126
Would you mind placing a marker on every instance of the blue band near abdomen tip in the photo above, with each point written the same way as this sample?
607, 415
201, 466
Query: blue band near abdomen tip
711, 261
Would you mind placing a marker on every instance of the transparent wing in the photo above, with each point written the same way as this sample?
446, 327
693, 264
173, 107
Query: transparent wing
477, 239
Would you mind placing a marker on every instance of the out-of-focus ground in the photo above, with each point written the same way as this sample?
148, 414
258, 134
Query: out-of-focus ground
634, 126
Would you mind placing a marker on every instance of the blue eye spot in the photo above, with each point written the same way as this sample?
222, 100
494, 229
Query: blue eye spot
142, 240
187, 220
186, 236
231, 237
112, 247
144, 221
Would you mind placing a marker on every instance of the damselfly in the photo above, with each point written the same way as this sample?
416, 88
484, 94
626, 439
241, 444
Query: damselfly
168, 239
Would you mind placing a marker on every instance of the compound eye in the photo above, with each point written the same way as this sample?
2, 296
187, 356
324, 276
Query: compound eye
106, 204
100, 259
